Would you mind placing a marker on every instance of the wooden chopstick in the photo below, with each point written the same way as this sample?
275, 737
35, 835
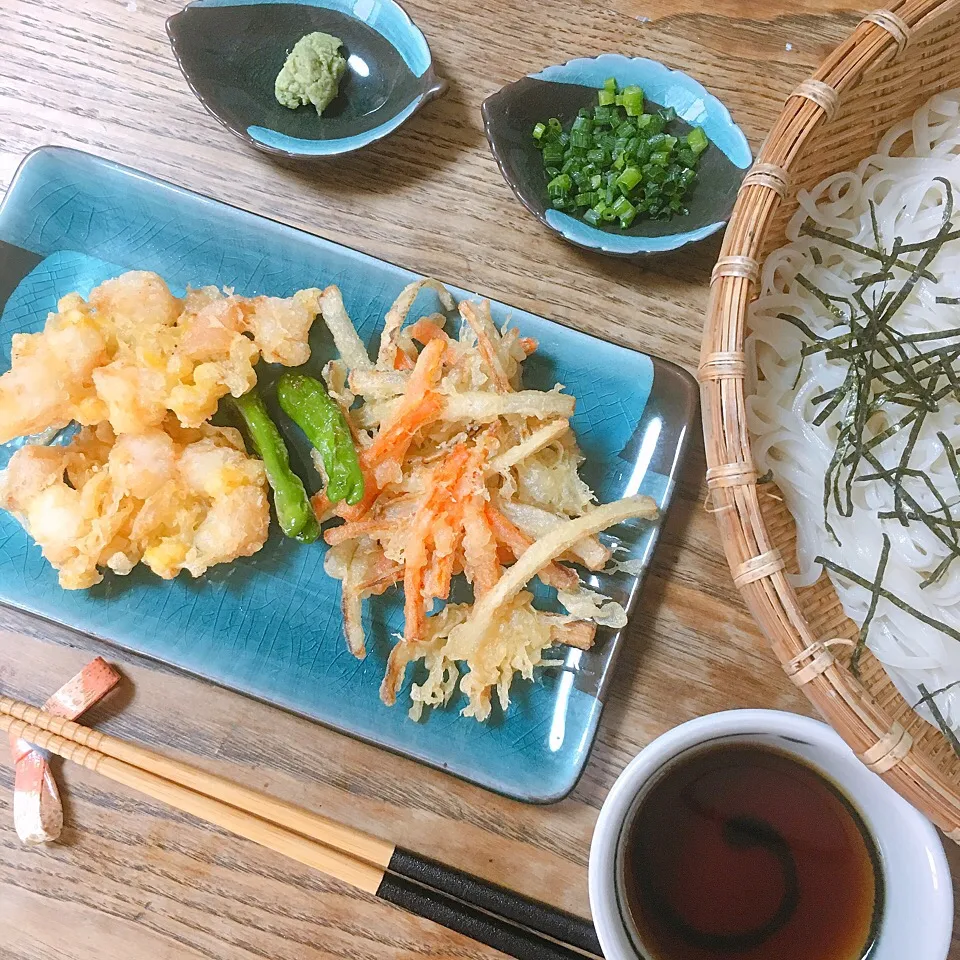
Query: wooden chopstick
483, 911
338, 836
328, 860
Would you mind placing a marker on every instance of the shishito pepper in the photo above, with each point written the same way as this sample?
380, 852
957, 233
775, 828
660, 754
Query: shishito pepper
294, 512
306, 402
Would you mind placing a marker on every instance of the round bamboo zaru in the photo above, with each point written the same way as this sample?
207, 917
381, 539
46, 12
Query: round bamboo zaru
892, 62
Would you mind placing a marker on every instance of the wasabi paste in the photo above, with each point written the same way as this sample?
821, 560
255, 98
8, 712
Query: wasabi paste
311, 73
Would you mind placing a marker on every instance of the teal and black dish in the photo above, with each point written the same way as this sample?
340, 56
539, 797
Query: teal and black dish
230, 52
510, 115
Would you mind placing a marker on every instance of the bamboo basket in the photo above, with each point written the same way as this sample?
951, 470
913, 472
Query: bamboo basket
892, 62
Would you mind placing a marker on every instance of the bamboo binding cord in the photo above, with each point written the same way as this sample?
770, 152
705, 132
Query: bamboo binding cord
894, 60
488, 913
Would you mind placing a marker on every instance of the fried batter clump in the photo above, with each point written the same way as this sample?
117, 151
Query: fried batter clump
169, 497
133, 351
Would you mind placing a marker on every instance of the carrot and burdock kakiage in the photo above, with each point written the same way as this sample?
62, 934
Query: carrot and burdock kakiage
463, 472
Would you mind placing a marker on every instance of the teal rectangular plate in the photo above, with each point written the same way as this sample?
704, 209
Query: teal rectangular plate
270, 626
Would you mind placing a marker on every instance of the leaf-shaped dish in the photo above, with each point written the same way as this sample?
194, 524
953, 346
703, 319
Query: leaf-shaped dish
510, 114
230, 52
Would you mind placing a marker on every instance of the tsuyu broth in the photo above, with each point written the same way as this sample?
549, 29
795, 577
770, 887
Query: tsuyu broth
743, 852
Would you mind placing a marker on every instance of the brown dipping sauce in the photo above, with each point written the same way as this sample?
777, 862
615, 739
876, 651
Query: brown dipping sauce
742, 852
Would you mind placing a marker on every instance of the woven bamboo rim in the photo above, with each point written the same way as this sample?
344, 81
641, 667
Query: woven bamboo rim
892, 62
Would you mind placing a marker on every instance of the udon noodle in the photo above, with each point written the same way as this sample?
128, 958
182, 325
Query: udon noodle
874, 468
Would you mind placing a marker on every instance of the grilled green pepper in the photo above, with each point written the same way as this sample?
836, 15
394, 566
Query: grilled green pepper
306, 402
294, 512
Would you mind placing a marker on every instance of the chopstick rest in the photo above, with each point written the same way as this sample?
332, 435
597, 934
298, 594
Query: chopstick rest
37, 808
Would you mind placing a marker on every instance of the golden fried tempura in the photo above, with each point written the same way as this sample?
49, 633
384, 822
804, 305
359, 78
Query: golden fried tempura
171, 498
133, 352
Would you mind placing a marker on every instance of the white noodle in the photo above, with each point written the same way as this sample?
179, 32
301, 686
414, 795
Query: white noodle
909, 203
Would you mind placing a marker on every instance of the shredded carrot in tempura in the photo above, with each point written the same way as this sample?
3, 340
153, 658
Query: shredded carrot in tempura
465, 471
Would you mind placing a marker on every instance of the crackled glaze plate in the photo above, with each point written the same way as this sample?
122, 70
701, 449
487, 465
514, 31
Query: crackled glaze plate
270, 626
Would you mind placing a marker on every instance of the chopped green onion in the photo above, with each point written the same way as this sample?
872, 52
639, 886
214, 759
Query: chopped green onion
552, 154
633, 101
697, 141
560, 185
615, 163
630, 178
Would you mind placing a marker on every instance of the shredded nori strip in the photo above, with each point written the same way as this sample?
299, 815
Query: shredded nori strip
866, 251
941, 720
927, 697
885, 594
901, 377
874, 599
827, 299
877, 239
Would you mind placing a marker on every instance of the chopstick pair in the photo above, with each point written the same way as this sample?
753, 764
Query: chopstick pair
502, 919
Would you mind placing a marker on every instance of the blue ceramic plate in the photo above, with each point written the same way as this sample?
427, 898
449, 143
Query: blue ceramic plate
510, 114
230, 52
270, 625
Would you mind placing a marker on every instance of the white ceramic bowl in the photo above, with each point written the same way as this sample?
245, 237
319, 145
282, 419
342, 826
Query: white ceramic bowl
917, 916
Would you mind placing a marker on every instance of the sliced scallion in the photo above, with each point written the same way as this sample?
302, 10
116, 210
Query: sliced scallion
616, 163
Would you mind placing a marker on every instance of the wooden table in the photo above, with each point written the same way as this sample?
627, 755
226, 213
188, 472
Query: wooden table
132, 879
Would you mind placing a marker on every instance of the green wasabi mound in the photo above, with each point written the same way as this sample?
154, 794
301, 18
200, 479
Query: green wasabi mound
311, 73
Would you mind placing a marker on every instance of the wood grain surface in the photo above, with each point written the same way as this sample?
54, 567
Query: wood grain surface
130, 879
